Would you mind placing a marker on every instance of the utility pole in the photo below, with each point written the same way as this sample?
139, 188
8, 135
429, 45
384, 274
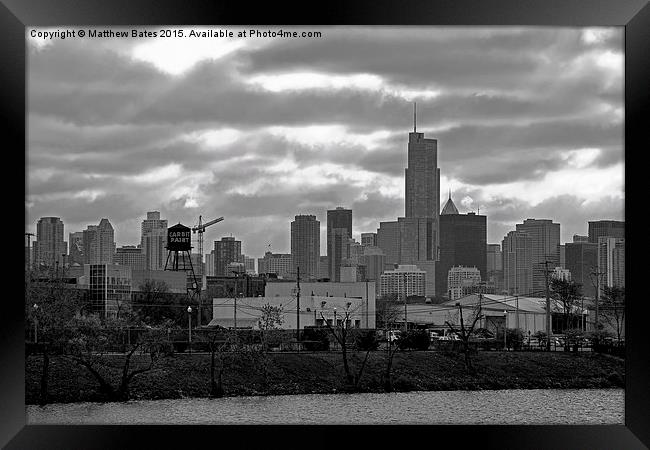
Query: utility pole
298, 304
405, 309
548, 309
367, 303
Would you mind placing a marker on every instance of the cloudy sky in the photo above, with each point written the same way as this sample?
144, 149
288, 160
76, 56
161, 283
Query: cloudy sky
529, 123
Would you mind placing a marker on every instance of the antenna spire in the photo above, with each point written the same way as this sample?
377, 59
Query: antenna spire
414, 117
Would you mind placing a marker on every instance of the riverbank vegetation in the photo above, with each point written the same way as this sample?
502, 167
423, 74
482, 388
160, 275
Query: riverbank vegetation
188, 375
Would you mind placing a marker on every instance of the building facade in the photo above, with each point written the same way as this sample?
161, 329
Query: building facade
305, 247
581, 261
369, 239
153, 241
76, 248
517, 253
406, 279
545, 241
494, 267
99, 243
109, 287
130, 255
280, 264
226, 251
611, 262
49, 248
606, 228
339, 232
460, 279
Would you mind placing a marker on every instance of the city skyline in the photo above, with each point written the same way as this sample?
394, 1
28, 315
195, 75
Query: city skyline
261, 130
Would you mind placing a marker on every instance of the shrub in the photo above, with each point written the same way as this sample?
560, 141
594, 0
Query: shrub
366, 340
319, 339
414, 339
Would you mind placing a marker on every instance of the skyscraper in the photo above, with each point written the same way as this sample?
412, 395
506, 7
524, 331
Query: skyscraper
606, 228
463, 242
153, 240
369, 239
76, 244
305, 246
545, 236
226, 251
339, 231
49, 247
611, 262
280, 264
581, 260
517, 252
99, 243
130, 255
494, 266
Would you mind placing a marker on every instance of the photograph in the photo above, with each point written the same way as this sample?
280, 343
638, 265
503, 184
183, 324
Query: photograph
325, 225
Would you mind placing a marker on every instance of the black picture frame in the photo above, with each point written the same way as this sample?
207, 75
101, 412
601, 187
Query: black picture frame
634, 15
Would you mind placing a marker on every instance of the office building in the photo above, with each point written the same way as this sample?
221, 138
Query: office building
580, 238
517, 253
99, 243
463, 242
226, 251
581, 261
460, 279
494, 267
369, 239
339, 231
130, 255
49, 248
76, 249
545, 241
209, 264
611, 262
305, 246
406, 279
561, 273
606, 228
323, 268
109, 288
280, 264
422, 177
153, 241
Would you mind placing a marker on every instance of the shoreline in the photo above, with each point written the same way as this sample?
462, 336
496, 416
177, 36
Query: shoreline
188, 376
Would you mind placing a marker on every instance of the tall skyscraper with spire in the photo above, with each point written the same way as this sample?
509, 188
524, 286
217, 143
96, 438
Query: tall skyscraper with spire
414, 239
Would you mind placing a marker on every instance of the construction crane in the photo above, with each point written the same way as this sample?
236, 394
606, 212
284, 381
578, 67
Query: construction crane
200, 228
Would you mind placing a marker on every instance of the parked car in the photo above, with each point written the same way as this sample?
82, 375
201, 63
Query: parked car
393, 335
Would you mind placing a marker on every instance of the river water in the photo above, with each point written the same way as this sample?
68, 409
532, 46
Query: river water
537, 406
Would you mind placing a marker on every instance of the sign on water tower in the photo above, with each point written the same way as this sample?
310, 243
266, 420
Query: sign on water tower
179, 238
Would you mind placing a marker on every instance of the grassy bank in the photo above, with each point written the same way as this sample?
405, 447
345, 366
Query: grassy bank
185, 375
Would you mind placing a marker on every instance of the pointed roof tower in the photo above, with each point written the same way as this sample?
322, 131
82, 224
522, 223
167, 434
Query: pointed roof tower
449, 207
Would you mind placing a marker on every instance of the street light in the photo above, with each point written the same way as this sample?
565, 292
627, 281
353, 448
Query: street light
505, 329
35, 323
189, 327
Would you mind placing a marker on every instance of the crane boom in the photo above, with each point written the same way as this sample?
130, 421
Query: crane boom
202, 226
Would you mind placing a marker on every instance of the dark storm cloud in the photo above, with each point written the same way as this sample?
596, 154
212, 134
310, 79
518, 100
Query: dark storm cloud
512, 102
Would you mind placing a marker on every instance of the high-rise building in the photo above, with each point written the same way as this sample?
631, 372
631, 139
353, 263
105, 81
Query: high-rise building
545, 236
76, 248
374, 260
153, 241
562, 250
422, 177
460, 279
99, 243
561, 273
463, 242
49, 248
611, 262
339, 231
580, 238
130, 255
280, 264
369, 239
323, 268
517, 252
249, 263
406, 279
226, 251
581, 261
305, 246
494, 267
606, 228
209, 264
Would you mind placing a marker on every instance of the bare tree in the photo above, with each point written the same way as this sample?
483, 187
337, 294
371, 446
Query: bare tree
465, 332
568, 293
89, 340
341, 333
387, 313
612, 308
